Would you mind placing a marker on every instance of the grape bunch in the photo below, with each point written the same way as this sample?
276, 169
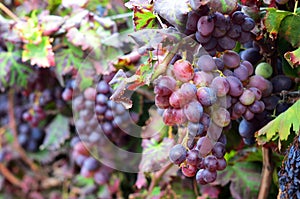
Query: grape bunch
205, 98
289, 175
30, 138
89, 166
112, 116
217, 32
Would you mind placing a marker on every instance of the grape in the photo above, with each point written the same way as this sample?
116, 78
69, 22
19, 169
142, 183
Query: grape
175, 58
200, 177
234, 31
177, 154
245, 37
241, 72
184, 95
101, 177
206, 63
204, 146
192, 20
196, 129
202, 78
219, 150
219, 31
256, 92
103, 87
202, 39
264, 69
37, 134
162, 101
219, 19
247, 98
67, 94
248, 24
221, 165
252, 55
280, 83
193, 111
206, 96
173, 116
219, 63
91, 164
107, 128
257, 107
236, 86
100, 109
226, 42
221, 117
193, 157
101, 99
239, 109
205, 25
249, 141
209, 176
246, 128
189, 170
205, 120
231, 59
262, 84
220, 85
210, 163
211, 45
23, 139
249, 66
164, 86
248, 115
238, 17
183, 70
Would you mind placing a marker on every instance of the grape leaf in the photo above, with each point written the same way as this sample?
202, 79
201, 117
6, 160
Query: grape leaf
273, 20
289, 31
174, 12
244, 177
50, 23
56, 133
156, 155
40, 53
293, 57
280, 126
143, 17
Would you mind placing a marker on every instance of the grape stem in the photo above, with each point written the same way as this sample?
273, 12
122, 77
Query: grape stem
267, 172
295, 7
157, 176
8, 12
12, 125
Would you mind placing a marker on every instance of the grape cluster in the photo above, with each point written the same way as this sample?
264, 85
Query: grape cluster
89, 166
289, 175
112, 116
217, 32
30, 138
205, 98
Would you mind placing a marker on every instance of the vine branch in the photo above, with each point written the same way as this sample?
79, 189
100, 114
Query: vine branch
8, 12
9, 176
267, 172
156, 177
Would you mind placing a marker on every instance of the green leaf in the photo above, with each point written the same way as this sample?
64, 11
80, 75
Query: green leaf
56, 133
143, 17
40, 53
155, 191
244, 177
293, 57
289, 29
281, 125
273, 20
288, 70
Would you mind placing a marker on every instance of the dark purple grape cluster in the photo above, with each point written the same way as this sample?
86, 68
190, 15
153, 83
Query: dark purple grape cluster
217, 32
89, 166
30, 138
289, 175
112, 116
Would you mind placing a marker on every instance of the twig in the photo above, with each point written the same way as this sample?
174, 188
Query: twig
12, 125
9, 176
58, 46
267, 172
195, 185
8, 12
156, 176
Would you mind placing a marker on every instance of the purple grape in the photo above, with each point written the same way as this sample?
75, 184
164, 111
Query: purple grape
238, 17
219, 150
210, 163
193, 111
234, 31
162, 101
202, 78
164, 85
241, 72
236, 86
206, 96
247, 98
220, 85
183, 70
193, 157
177, 154
189, 170
221, 164
205, 25
206, 63
248, 24
226, 42
231, 59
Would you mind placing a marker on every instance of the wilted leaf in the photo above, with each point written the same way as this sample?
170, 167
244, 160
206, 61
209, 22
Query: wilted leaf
281, 125
40, 53
175, 12
156, 155
293, 57
244, 177
56, 133
132, 3
289, 29
50, 23
273, 20
223, 6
